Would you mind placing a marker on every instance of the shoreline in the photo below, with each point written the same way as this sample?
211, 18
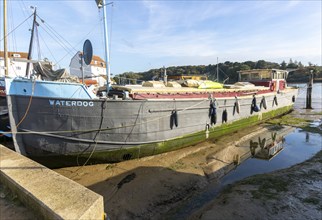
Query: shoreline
291, 193
154, 186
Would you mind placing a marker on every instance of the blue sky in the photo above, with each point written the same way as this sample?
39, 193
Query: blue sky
152, 34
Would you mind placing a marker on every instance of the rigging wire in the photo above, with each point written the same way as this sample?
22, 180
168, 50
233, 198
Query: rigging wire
54, 36
42, 39
13, 40
54, 31
17, 27
80, 42
38, 45
66, 49
23, 7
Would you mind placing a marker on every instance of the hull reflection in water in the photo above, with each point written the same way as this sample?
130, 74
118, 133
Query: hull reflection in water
263, 144
267, 148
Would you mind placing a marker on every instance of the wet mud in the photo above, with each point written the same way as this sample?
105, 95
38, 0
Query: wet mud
176, 184
170, 185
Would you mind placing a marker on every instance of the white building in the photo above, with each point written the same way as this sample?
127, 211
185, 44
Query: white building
17, 64
95, 73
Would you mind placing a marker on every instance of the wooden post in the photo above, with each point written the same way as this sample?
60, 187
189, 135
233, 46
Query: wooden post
309, 92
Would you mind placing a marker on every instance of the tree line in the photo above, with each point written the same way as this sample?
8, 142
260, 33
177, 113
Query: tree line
227, 71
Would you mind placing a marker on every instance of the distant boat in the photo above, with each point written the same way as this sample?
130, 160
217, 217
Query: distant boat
70, 120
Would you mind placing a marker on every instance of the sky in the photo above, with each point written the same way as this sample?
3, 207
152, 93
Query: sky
150, 34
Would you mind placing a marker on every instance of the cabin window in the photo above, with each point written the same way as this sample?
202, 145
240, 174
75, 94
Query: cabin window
244, 77
274, 75
280, 75
255, 76
266, 75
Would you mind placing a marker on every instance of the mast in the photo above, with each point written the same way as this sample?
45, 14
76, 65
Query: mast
217, 71
31, 42
5, 49
102, 4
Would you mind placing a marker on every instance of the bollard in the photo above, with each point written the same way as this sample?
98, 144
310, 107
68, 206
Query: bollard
309, 92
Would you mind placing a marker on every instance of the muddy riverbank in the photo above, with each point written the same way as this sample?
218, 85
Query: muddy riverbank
158, 187
292, 193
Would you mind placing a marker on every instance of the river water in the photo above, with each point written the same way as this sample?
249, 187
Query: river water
316, 96
298, 146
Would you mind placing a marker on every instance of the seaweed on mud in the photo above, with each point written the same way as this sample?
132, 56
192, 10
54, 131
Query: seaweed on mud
268, 186
290, 121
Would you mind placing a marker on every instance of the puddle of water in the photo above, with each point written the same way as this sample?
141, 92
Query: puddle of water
298, 146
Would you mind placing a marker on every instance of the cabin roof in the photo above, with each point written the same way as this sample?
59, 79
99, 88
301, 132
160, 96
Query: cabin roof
261, 70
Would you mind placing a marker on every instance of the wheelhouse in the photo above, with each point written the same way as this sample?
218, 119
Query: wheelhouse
273, 78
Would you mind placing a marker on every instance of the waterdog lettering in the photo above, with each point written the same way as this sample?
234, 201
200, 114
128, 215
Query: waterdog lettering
70, 103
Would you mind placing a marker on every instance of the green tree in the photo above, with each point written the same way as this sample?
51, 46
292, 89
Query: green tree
283, 65
244, 67
261, 64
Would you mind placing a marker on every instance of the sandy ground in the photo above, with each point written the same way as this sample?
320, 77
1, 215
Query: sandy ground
11, 208
150, 187
153, 187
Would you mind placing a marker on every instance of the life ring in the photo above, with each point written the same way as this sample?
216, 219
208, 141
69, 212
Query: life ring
263, 103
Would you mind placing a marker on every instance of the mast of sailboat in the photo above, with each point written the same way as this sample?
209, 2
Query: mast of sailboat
102, 4
217, 71
5, 49
31, 41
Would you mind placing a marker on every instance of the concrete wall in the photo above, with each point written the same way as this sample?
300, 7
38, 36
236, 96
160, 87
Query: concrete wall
49, 194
